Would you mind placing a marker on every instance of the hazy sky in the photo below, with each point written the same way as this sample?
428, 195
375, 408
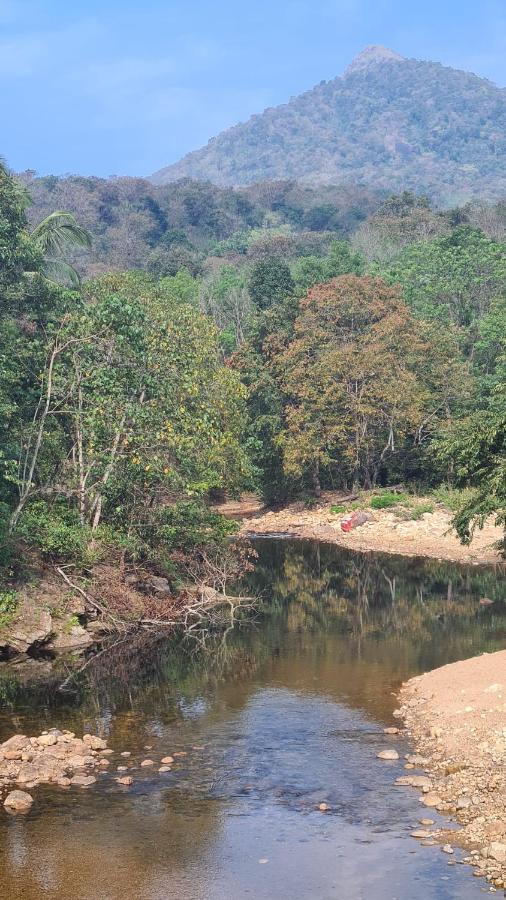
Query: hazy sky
121, 87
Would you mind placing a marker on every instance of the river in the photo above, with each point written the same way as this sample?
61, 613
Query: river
286, 712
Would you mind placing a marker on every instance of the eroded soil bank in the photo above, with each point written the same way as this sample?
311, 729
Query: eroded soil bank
431, 535
456, 716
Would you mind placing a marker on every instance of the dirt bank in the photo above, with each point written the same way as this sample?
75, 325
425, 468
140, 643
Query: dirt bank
431, 535
456, 717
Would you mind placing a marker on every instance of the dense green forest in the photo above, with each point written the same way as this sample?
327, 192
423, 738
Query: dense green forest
288, 360
388, 122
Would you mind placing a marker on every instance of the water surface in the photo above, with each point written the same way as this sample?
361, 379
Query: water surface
278, 717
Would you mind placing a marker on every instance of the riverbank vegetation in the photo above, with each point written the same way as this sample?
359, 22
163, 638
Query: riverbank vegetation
289, 360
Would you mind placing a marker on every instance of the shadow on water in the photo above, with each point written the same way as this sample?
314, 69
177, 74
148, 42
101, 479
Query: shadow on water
285, 713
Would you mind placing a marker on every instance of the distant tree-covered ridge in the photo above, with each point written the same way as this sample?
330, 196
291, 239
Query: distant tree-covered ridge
389, 122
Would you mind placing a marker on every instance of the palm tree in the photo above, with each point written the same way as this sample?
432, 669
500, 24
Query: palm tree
52, 237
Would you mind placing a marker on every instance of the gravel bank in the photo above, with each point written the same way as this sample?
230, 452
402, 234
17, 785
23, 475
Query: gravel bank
456, 717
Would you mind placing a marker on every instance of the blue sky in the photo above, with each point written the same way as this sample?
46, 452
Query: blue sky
113, 88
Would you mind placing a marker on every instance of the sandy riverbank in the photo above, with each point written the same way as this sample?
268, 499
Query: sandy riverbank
430, 536
456, 717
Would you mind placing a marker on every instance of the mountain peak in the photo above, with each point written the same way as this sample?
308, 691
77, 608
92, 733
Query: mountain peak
371, 56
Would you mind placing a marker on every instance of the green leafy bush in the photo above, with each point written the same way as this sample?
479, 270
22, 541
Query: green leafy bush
54, 531
190, 524
8, 606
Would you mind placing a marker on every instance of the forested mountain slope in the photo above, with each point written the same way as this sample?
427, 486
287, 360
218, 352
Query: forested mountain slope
389, 122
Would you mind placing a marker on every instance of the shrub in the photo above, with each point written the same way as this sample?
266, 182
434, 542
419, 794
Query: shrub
335, 510
8, 606
54, 531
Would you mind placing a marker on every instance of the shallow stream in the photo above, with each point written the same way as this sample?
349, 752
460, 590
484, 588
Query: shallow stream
283, 714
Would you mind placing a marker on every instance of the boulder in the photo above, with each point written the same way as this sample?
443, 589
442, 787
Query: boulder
70, 637
18, 801
31, 628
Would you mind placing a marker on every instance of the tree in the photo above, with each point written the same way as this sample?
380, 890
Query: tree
52, 237
355, 394
477, 449
452, 279
270, 282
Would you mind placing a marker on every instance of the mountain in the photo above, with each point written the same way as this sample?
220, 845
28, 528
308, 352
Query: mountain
388, 122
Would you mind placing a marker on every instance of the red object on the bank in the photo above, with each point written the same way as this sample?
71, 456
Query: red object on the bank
353, 521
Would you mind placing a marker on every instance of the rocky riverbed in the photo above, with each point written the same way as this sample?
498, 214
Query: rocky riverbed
60, 758
456, 716
431, 535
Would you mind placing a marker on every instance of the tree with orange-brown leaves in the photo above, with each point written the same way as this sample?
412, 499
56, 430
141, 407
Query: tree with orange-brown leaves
359, 390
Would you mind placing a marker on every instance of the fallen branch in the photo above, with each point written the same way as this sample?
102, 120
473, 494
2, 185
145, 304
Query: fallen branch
91, 601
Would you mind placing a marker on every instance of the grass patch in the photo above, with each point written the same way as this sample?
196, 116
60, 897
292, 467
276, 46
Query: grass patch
453, 498
413, 513
336, 510
389, 498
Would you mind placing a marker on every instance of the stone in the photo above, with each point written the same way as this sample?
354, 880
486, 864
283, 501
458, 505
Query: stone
83, 780
94, 742
392, 730
421, 834
418, 781
64, 782
32, 627
446, 848
122, 769
431, 799
147, 762
70, 637
125, 753
387, 754
463, 802
167, 760
163, 769
323, 807
47, 740
426, 821
17, 742
18, 801
159, 584
497, 851
12, 754
126, 780
103, 763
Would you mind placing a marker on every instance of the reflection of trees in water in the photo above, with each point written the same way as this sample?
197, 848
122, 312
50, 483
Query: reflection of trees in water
367, 594
306, 588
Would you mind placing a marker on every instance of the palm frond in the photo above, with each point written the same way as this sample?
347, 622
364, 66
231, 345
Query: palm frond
60, 272
57, 232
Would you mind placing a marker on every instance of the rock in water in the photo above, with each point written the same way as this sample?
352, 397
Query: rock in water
18, 801
387, 754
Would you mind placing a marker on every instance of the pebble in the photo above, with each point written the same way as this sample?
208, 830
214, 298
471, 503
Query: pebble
167, 760
323, 807
447, 848
126, 780
163, 769
125, 753
147, 762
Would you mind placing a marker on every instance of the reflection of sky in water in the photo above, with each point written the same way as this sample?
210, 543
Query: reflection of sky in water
290, 715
